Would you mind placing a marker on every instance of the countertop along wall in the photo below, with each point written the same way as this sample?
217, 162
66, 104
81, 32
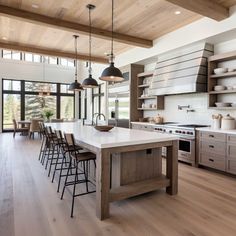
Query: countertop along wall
197, 101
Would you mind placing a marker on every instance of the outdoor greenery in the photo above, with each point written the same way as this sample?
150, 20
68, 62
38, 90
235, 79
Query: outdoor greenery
35, 105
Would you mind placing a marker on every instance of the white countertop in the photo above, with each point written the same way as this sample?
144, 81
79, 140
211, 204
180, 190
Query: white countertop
209, 129
142, 123
114, 138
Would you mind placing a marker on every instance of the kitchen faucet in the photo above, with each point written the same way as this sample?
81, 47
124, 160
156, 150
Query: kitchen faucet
98, 115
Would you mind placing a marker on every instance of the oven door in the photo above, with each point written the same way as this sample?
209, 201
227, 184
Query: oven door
186, 150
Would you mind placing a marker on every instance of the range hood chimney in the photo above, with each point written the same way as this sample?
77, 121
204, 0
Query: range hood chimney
182, 71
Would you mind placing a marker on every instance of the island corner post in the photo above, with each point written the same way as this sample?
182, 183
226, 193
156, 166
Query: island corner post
104, 193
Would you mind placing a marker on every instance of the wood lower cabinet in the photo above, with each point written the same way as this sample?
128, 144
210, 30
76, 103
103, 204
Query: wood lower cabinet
212, 150
231, 154
218, 151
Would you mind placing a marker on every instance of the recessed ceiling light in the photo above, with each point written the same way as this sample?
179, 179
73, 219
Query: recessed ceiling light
35, 6
4, 38
177, 12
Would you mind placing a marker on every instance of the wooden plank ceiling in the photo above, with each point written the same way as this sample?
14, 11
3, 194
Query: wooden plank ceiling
147, 19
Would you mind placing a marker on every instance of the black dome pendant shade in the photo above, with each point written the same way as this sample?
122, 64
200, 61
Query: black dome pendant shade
76, 86
112, 73
90, 82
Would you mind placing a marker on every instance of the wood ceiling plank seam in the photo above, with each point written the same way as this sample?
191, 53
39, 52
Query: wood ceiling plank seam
71, 26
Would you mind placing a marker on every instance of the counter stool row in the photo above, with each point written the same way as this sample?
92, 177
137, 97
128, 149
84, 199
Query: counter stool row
63, 157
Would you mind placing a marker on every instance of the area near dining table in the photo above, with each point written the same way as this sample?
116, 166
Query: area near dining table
129, 162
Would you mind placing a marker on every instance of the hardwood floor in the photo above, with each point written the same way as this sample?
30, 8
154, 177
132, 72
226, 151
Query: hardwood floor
30, 205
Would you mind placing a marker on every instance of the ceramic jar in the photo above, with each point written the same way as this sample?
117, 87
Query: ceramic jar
228, 123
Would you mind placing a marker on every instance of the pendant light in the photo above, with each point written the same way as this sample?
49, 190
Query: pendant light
76, 86
45, 89
90, 82
112, 73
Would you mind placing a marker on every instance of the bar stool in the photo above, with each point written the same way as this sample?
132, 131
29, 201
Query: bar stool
43, 143
63, 149
76, 158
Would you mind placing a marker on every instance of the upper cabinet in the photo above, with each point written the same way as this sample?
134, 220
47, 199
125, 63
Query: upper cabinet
182, 71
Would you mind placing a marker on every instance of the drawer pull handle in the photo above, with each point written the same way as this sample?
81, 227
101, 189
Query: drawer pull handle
211, 146
211, 160
211, 136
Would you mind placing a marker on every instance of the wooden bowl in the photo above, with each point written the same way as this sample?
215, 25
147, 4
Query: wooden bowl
103, 128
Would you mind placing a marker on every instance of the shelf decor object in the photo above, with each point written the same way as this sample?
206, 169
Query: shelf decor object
90, 82
217, 80
154, 102
112, 73
76, 86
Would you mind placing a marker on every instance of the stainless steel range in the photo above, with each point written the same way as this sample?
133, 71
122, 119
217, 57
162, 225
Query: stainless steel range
187, 137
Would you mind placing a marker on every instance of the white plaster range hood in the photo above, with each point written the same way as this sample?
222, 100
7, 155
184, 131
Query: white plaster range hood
182, 71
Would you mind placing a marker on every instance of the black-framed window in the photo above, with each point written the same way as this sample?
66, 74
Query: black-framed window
98, 99
21, 101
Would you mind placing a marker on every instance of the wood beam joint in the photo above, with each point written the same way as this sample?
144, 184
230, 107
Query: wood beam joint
209, 8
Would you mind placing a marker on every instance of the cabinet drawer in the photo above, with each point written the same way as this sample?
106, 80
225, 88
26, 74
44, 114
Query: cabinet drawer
211, 146
231, 151
136, 126
213, 136
231, 166
213, 161
231, 138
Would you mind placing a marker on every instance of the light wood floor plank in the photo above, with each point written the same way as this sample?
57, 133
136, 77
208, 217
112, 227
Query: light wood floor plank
30, 205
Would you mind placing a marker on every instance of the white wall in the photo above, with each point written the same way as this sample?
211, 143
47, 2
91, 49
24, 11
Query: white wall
198, 101
21, 70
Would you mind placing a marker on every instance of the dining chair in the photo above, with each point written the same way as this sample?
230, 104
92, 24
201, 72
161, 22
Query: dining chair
19, 129
76, 158
34, 127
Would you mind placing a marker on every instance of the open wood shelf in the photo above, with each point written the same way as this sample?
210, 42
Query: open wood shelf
146, 74
133, 189
147, 109
223, 75
223, 108
213, 63
143, 98
223, 92
144, 86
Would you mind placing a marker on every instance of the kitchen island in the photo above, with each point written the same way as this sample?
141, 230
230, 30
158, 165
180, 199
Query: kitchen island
128, 162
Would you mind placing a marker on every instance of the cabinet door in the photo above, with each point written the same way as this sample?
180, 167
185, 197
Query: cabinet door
231, 166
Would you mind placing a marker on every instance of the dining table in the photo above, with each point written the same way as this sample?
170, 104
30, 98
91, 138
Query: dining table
128, 162
24, 122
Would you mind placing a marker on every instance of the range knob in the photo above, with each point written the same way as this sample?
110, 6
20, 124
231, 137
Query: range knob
170, 131
183, 132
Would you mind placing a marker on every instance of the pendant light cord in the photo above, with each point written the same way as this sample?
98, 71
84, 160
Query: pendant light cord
76, 57
112, 29
90, 41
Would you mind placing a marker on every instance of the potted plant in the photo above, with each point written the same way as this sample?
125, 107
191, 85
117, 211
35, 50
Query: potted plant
48, 114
